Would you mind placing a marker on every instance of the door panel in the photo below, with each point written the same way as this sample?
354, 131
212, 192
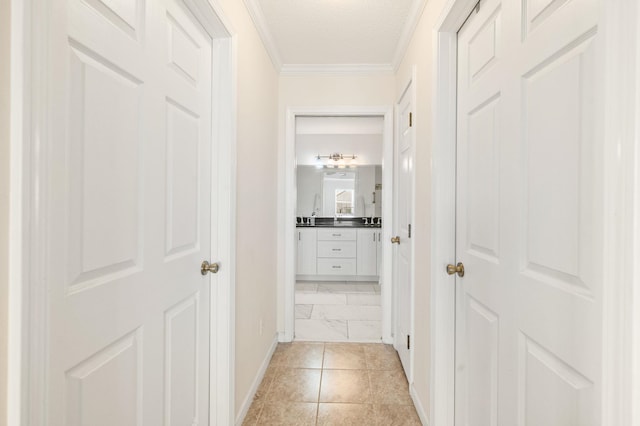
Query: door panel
104, 232
131, 169
529, 223
115, 370
182, 362
403, 254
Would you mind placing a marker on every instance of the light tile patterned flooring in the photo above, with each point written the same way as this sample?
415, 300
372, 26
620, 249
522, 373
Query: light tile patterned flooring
338, 312
310, 383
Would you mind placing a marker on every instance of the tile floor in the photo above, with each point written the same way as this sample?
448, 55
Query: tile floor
312, 383
338, 311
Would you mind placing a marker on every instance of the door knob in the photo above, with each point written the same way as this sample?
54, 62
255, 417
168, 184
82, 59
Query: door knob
395, 240
209, 267
456, 269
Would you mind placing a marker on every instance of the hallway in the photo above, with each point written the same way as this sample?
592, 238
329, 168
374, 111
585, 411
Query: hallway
333, 384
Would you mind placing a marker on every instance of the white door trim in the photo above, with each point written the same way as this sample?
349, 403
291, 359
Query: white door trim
621, 310
621, 108
288, 232
30, 115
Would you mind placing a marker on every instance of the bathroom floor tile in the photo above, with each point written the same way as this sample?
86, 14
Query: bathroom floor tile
321, 299
303, 311
364, 330
337, 311
363, 299
321, 330
305, 287
346, 312
346, 288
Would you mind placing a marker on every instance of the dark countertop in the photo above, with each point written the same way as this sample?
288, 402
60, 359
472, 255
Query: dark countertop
351, 222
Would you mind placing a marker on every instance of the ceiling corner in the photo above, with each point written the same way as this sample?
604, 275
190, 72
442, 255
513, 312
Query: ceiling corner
417, 7
255, 11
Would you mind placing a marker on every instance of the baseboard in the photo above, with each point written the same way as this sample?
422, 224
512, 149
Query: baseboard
246, 404
418, 405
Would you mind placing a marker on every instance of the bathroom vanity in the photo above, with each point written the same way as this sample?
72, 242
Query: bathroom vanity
338, 250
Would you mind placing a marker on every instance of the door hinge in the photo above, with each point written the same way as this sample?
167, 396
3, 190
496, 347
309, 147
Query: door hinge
410, 119
408, 342
409, 231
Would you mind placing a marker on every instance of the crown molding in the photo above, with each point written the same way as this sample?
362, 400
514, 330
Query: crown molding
255, 11
417, 7
335, 69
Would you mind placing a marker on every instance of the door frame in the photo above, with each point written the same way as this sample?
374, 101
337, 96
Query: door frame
288, 292
621, 305
29, 209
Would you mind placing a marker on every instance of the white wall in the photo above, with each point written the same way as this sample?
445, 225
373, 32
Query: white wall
421, 53
326, 90
257, 94
4, 200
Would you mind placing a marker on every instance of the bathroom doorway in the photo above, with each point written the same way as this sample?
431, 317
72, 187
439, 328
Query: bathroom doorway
336, 287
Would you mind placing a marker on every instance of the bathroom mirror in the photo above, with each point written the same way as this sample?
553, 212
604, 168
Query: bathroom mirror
355, 191
338, 193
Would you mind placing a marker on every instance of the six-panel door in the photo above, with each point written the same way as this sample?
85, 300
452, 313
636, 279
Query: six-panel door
131, 168
529, 224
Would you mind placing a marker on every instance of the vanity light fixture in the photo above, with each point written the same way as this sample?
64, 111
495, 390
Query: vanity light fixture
336, 160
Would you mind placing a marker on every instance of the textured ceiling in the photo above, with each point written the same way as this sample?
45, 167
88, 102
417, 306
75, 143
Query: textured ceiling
342, 33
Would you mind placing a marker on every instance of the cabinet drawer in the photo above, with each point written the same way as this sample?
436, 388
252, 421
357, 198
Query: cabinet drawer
336, 234
336, 266
336, 249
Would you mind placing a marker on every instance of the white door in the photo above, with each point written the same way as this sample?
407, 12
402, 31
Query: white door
529, 220
131, 173
403, 253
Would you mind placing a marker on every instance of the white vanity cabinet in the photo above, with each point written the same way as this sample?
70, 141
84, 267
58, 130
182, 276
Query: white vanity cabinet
307, 251
337, 251
367, 251
338, 254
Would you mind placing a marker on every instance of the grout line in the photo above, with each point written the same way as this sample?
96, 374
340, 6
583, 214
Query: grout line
324, 347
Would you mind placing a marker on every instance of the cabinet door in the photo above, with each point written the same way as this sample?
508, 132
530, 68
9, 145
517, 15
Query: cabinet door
378, 234
367, 252
306, 252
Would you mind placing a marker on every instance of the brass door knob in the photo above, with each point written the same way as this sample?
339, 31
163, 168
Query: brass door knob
209, 267
456, 269
395, 240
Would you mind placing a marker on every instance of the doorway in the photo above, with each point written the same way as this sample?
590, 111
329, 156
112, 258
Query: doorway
339, 228
362, 204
